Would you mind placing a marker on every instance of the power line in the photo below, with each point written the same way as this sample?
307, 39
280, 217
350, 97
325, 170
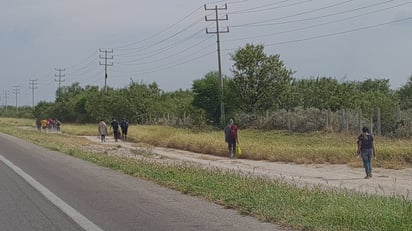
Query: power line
319, 24
341, 32
90, 71
321, 16
86, 66
174, 65
158, 33
162, 49
266, 8
166, 57
297, 14
92, 55
134, 50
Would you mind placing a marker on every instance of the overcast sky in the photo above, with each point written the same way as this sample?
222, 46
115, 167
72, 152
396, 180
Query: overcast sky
166, 42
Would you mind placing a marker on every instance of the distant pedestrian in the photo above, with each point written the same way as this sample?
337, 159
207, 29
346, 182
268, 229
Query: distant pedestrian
57, 125
231, 137
50, 125
102, 129
38, 124
43, 124
124, 125
115, 125
366, 148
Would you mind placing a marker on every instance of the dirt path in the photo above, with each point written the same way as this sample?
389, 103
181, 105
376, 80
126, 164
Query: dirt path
385, 181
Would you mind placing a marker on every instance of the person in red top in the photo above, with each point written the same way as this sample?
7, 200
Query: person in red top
231, 137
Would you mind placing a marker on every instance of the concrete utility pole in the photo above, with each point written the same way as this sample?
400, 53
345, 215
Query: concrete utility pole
59, 76
105, 57
16, 91
6, 96
33, 86
217, 32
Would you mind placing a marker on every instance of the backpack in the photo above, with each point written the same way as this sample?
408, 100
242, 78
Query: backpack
124, 124
115, 125
233, 132
365, 142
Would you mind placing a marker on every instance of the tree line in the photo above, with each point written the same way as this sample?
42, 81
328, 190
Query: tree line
260, 83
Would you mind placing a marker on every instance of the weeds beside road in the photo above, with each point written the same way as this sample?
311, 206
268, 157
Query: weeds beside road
269, 200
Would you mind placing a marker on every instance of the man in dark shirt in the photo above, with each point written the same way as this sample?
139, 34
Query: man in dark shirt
366, 149
124, 125
115, 125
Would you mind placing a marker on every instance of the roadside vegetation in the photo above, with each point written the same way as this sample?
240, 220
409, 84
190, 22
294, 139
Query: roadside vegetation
268, 200
280, 146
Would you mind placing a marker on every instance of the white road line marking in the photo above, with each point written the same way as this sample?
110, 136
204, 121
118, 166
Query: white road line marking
81, 220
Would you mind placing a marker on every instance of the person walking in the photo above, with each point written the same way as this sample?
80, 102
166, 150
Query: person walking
124, 125
38, 124
231, 137
102, 129
57, 125
366, 148
43, 125
115, 125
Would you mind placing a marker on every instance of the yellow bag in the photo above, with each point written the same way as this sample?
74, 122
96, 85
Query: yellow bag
238, 150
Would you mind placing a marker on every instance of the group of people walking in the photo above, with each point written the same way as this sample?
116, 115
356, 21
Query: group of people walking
114, 125
365, 142
365, 145
48, 125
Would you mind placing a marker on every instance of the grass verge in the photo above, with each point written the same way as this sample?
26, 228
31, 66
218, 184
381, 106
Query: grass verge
267, 200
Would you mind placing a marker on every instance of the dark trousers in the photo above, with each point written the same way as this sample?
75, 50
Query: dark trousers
231, 146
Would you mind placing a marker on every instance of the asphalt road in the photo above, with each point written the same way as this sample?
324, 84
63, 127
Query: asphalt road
23, 208
92, 197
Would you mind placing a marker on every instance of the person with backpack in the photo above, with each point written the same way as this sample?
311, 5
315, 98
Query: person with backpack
57, 124
124, 125
115, 125
231, 137
366, 148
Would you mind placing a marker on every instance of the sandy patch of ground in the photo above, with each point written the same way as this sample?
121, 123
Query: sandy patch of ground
387, 182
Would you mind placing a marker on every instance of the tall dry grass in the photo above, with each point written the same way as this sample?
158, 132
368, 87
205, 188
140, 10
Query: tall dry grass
307, 148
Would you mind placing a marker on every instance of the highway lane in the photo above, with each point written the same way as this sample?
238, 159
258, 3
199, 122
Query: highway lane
109, 199
23, 208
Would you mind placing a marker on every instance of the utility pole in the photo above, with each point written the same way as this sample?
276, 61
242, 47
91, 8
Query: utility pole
16, 91
105, 63
6, 96
33, 86
217, 32
60, 80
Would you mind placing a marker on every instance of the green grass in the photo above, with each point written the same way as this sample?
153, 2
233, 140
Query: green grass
268, 200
